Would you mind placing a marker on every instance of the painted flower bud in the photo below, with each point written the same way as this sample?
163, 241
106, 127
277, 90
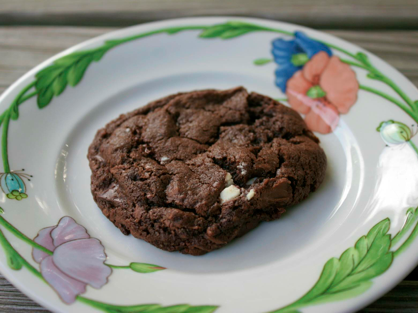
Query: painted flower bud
13, 186
394, 133
145, 267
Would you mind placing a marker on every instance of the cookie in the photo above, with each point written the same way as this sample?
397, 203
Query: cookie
192, 171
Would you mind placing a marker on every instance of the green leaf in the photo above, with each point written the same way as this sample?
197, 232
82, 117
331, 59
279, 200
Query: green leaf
375, 270
148, 308
344, 294
14, 112
229, 30
45, 80
145, 267
44, 97
232, 33
361, 247
378, 230
142, 308
50, 70
59, 84
13, 261
262, 61
214, 31
375, 76
97, 56
201, 309
351, 274
68, 70
363, 58
76, 72
325, 280
181, 308
379, 248
12, 257
70, 59
347, 263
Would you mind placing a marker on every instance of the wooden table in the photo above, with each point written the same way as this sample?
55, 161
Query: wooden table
32, 31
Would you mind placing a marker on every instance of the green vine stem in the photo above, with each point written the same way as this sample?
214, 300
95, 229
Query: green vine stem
147, 308
169, 30
374, 73
407, 242
113, 308
351, 274
21, 236
135, 266
16, 262
12, 113
69, 70
413, 146
402, 106
411, 112
352, 55
369, 247
118, 266
377, 75
4, 133
412, 216
366, 65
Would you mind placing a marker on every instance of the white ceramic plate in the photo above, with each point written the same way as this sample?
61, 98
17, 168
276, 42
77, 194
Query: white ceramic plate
337, 251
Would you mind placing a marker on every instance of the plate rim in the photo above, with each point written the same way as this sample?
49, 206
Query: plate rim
114, 34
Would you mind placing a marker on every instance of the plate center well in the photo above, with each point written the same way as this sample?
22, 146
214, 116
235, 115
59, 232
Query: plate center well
312, 220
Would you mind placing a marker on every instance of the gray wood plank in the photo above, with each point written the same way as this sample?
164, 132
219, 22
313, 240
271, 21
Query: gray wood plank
22, 48
353, 14
12, 300
403, 298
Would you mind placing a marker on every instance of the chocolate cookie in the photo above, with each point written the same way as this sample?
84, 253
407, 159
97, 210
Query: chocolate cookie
192, 171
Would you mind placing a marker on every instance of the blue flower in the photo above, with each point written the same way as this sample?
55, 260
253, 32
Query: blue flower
291, 55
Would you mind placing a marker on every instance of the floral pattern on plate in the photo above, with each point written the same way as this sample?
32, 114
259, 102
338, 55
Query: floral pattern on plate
317, 83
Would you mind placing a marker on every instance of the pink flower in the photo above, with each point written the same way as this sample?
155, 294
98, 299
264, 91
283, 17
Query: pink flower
324, 88
77, 259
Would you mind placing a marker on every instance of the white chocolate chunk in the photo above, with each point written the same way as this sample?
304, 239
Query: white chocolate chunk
242, 166
229, 193
251, 181
164, 158
228, 180
251, 194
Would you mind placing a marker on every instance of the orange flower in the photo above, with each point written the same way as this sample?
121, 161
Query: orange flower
324, 88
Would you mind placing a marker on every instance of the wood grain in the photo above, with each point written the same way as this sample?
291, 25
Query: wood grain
353, 14
402, 299
22, 48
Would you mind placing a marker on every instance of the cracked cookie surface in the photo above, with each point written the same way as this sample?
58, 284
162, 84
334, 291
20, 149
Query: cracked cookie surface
192, 171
